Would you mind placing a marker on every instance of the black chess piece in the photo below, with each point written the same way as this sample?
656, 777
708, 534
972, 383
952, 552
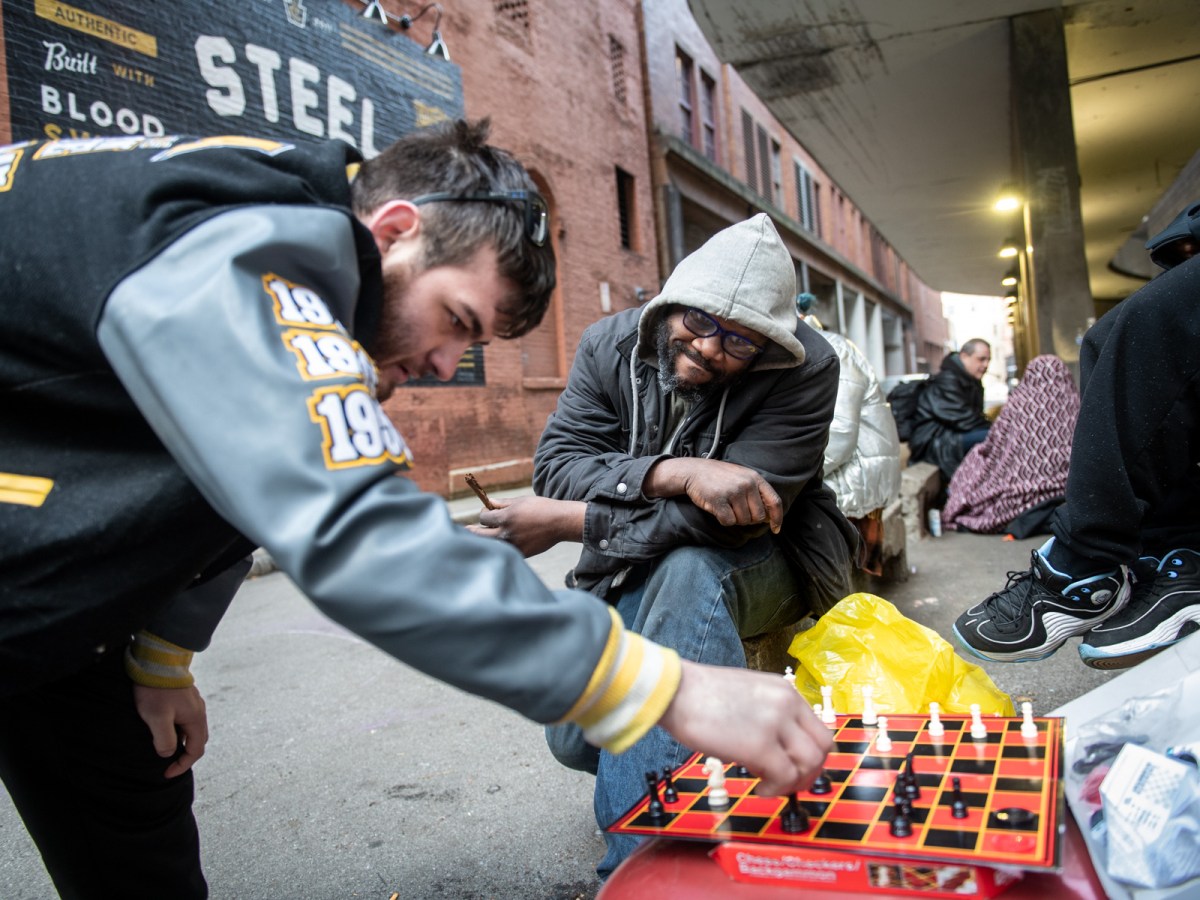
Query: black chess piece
901, 824
655, 809
669, 795
958, 803
740, 771
822, 785
794, 818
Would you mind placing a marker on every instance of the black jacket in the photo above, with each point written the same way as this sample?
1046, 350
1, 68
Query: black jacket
950, 405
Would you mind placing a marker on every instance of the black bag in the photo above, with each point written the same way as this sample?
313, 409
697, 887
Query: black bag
903, 400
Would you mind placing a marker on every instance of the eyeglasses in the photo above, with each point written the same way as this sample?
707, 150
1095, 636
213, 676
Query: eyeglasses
701, 324
531, 204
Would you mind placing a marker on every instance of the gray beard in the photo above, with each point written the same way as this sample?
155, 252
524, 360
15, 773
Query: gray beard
668, 377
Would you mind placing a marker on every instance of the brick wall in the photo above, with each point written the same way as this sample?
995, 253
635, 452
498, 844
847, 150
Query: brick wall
544, 73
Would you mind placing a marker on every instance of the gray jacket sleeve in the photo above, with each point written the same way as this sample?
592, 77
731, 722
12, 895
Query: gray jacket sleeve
231, 343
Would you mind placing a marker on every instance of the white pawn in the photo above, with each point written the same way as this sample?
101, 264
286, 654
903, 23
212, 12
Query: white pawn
817, 710
869, 716
935, 729
1029, 728
718, 797
789, 675
883, 743
978, 730
828, 716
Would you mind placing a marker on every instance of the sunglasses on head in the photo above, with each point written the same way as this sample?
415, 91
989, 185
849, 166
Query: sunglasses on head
530, 203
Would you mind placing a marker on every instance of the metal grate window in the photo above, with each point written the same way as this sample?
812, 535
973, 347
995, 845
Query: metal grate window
515, 12
616, 56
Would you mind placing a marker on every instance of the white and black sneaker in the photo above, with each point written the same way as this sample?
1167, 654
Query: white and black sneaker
1038, 610
1165, 607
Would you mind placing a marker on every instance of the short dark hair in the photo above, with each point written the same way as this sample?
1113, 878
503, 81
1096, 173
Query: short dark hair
973, 345
454, 156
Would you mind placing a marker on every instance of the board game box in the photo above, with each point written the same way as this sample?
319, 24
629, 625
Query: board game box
982, 810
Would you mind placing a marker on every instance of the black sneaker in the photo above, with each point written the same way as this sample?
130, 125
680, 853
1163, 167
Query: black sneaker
1038, 610
1165, 607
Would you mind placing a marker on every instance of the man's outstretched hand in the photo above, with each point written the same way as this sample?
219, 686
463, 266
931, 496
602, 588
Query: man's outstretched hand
754, 718
533, 524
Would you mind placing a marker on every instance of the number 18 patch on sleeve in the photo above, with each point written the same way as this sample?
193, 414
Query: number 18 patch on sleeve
355, 430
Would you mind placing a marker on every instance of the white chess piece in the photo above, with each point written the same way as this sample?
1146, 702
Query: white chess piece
883, 743
718, 797
789, 675
869, 716
828, 716
1029, 727
978, 730
935, 729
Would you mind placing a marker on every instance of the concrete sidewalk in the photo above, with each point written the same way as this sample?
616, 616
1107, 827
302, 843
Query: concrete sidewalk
335, 772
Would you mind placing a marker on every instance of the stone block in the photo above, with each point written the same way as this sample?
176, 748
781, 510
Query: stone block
920, 485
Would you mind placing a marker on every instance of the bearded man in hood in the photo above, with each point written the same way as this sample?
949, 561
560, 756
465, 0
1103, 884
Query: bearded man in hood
686, 455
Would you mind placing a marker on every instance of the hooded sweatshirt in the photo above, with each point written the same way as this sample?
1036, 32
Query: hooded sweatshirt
609, 426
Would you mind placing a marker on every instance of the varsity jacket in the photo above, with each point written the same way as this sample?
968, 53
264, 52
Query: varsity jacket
608, 427
185, 374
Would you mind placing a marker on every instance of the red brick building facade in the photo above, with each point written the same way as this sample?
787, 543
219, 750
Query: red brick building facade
643, 143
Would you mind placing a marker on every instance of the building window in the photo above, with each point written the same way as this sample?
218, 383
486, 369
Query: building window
749, 152
806, 200
764, 171
684, 71
776, 174
616, 56
764, 183
625, 208
708, 115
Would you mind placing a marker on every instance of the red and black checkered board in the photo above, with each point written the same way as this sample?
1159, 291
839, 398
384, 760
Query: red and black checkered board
1002, 772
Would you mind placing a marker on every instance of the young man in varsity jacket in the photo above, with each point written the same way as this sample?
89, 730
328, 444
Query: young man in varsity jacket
194, 340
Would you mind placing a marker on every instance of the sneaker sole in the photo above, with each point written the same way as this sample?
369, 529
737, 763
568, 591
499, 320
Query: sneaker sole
1108, 663
1032, 654
1131, 652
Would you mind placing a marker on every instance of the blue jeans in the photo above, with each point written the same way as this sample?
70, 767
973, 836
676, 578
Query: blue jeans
700, 601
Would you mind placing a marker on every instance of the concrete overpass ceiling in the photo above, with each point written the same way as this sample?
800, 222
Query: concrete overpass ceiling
905, 103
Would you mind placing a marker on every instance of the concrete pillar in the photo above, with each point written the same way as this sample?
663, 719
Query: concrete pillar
1057, 294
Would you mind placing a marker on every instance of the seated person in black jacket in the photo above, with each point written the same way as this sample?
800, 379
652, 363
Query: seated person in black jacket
949, 419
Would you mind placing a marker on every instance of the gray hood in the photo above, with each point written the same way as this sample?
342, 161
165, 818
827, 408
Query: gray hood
744, 274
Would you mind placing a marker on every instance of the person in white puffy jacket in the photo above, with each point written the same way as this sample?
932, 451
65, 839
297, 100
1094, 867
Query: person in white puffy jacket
862, 458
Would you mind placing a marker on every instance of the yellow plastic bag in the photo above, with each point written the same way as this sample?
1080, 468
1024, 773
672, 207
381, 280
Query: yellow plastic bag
865, 640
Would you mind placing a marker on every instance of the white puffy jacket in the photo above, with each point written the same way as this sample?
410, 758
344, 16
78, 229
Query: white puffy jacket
862, 459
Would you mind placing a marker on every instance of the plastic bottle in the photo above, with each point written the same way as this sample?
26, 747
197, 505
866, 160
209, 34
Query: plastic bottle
935, 522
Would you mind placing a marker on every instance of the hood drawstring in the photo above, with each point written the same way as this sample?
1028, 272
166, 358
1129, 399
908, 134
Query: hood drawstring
717, 431
633, 383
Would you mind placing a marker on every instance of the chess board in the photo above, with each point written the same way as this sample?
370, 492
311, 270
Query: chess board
1011, 784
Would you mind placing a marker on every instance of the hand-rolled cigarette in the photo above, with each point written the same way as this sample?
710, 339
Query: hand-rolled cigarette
479, 492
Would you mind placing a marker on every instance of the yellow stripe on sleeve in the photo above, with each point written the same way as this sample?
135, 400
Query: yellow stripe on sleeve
24, 490
152, 662
632, 686
603, 671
